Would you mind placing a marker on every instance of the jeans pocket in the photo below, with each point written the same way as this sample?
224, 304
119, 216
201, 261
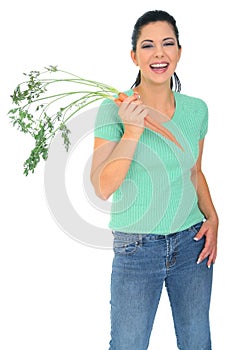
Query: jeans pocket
125, 243
195, 228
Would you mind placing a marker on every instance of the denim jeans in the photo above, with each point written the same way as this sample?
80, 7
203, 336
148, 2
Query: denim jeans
141, 264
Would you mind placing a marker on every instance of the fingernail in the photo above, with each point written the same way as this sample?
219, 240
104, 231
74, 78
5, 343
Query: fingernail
136, 94
195, 239
209, 266
199, 260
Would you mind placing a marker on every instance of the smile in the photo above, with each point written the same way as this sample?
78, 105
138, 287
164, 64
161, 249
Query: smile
159, 67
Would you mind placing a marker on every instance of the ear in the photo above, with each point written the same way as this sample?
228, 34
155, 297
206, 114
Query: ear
133, 56
179, 54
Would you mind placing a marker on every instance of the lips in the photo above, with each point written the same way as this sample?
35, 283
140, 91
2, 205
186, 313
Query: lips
159, 67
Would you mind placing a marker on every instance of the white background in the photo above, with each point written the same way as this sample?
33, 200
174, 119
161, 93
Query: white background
54, 291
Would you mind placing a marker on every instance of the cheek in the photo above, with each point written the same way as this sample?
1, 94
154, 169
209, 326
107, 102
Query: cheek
172, 52
174, 59
142, 53
177, 55
144, 58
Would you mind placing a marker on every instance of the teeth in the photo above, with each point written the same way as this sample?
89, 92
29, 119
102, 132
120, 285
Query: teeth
159, 65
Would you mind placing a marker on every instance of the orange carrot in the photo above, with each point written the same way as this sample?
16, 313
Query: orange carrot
117, 101
151, 124
122, 96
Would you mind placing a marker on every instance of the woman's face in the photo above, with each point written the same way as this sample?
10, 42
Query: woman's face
157, 52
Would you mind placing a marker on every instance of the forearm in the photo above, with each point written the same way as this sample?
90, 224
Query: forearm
205, 202
110, 174
209, 228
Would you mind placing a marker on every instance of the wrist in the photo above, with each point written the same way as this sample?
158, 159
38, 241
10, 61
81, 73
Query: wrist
213, 218
133, 134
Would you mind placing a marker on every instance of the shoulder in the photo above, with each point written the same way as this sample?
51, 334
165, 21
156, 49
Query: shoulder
191, 102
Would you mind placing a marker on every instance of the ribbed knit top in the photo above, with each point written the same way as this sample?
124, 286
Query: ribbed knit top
157, 195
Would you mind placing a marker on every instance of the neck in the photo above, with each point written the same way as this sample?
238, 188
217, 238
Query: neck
159, 97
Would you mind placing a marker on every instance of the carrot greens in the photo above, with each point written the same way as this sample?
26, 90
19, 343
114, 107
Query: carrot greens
40, 110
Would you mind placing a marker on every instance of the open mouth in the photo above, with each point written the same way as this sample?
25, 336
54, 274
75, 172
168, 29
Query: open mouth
159, 67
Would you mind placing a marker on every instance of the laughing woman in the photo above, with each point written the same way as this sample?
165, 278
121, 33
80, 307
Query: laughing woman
163, 219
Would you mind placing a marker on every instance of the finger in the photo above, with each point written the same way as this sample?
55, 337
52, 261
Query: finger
122, 96
212, 258
129, 105
117, 101
128, 99
209, 250
200, 233
210, 261
136, 116
203, 255
133, 109
139, 107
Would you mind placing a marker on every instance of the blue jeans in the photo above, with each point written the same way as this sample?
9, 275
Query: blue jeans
142, 262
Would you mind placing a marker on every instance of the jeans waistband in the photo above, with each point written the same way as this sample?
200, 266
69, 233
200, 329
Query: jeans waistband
154, 236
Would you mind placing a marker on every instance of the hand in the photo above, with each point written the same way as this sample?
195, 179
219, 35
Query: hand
209, 229
133, 112
136, 116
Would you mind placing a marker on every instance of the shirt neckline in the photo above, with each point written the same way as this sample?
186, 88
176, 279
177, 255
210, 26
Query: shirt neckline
130, 92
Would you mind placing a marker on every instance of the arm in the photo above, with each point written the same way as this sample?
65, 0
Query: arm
110, 164
111, 160
209, 228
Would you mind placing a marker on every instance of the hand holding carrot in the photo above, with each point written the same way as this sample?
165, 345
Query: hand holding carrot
136, 116
132, 112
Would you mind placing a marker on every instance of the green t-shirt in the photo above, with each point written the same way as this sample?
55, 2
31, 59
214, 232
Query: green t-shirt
157, 195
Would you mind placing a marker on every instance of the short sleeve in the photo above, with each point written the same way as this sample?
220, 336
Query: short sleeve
108, 124
204, 124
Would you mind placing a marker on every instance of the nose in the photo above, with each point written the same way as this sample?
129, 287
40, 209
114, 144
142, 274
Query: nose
159, 51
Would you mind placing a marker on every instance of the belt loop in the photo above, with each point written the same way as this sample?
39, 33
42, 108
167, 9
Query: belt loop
141, 239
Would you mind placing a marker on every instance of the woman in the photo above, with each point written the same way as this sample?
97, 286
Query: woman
163, 220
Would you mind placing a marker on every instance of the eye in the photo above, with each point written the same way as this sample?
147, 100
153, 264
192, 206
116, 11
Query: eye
169, 43
146, 46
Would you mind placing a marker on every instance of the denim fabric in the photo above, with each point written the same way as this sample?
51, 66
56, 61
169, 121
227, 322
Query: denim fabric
141, 264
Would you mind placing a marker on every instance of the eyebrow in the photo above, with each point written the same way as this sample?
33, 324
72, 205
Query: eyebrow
151, 41
169, 38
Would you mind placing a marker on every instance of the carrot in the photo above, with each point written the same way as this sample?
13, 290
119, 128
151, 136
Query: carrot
151, 124
122, 96
117, 101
